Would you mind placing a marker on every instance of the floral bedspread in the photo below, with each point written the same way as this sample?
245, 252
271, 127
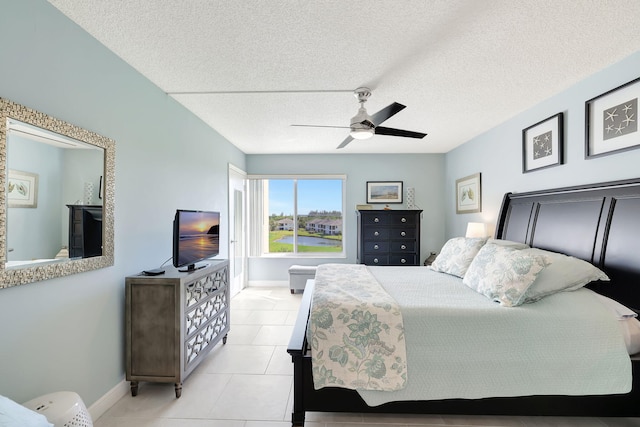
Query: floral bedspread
355, 331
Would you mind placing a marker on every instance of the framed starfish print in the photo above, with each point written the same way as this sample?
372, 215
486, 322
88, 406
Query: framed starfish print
542, 144
612, 121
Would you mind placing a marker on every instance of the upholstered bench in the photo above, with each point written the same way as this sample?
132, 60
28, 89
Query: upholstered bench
298, 276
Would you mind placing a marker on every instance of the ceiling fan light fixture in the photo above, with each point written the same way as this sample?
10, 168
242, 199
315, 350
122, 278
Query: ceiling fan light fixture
361, 133
361, 125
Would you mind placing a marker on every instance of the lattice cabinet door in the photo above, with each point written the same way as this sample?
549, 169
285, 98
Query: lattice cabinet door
173, 321
207, 315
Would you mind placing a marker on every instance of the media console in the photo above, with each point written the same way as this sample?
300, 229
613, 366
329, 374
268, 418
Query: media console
173, 320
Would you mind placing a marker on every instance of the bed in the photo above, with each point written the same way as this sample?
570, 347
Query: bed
597, 223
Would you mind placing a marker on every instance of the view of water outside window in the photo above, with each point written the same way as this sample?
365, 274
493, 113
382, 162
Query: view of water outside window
318, 224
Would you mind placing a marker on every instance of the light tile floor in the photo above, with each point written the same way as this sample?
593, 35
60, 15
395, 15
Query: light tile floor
248, 383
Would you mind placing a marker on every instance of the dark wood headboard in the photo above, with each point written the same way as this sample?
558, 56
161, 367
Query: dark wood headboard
599, 223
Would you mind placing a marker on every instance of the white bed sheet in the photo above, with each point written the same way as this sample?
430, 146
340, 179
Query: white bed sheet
470, 347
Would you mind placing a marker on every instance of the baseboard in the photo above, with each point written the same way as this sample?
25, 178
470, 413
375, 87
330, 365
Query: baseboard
109, 399
268, 284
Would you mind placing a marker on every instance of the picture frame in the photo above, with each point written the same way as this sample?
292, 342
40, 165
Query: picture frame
384, 192
22, 189
543, 144
469, 194
612, 121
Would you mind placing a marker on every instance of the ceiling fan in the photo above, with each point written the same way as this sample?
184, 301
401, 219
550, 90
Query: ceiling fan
364, 126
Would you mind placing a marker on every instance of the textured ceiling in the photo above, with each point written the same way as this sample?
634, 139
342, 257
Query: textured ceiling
251, 69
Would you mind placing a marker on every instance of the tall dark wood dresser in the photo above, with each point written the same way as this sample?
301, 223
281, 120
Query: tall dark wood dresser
389, 237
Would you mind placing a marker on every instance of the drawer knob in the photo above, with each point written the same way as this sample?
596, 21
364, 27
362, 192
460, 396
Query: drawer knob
402, 233
403, 219
376, 247
376, 219
403, 247
375, 260
376, 233
403, 261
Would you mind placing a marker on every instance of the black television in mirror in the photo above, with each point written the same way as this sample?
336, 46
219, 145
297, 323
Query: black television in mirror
196, 237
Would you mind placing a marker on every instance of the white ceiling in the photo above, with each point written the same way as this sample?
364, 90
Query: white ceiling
252, 68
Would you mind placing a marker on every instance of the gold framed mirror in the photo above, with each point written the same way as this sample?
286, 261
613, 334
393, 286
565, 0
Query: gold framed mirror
57, 203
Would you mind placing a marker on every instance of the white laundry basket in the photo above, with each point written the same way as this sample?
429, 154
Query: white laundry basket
62, 408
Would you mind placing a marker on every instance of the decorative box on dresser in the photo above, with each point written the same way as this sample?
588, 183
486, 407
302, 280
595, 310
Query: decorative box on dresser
389, 237
173, 320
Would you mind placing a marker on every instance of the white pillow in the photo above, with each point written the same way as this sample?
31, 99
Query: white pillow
457, 254
630, 328
627, 322
620, 311
508, 243
13, 414
504, 274
565, 273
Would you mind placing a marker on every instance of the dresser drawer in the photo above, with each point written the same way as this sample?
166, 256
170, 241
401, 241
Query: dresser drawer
402, 233
376, 247
381, 259
400, 219
404, 259
408, 246
375, 233
375, 219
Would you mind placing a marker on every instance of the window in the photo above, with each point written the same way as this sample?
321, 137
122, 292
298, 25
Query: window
297, 215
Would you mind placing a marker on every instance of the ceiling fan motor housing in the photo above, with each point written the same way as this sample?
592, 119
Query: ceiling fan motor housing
362, 119
362, 126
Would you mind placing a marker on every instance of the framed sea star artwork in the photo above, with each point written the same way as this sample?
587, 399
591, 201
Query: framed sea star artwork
543, 144
612, 121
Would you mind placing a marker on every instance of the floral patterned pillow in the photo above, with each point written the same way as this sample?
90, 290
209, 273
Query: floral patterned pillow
504, 274
457, 254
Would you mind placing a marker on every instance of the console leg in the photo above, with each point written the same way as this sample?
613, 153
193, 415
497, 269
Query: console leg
224, 340
178, 390
134, 388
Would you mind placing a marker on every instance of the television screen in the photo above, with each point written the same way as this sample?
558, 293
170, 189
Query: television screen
196, 236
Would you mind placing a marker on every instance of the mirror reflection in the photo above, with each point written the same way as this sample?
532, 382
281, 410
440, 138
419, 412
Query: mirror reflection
54, 196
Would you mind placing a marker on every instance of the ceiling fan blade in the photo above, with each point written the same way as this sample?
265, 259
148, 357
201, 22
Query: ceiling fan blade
322, 126
398, 132
387, 112
345, 142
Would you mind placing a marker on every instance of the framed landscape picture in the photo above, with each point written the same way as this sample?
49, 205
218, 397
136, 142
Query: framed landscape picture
612, 121
542, 144
468, 194
384, 191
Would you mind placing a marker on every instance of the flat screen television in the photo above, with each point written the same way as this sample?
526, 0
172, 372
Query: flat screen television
196, 237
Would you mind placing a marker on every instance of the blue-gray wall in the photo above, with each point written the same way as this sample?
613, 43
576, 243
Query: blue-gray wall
497, 154
68, 333
35, 233
424, 172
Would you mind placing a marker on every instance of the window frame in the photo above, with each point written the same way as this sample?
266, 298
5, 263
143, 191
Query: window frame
259, 217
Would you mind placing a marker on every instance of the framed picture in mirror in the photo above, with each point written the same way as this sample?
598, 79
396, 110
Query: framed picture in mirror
22, 189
